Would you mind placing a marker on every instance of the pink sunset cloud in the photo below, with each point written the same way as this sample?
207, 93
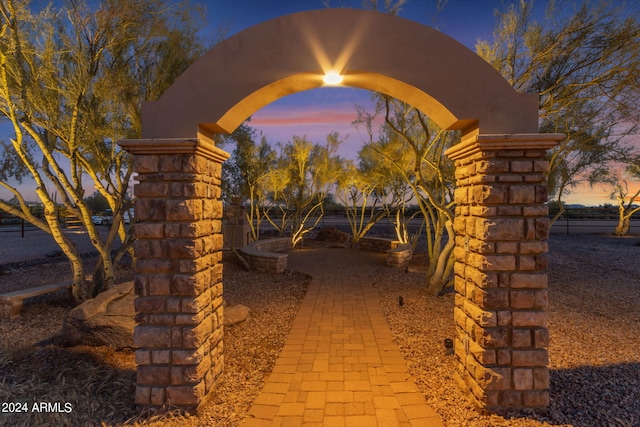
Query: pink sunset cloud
295, 117
279, 123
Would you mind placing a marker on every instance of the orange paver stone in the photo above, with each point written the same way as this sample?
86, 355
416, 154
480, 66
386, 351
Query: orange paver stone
339, 366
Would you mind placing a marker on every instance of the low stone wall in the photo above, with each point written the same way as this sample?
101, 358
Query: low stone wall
377, 244
264, 255
400, 255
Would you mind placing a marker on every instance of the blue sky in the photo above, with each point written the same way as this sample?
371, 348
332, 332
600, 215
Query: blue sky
465, 20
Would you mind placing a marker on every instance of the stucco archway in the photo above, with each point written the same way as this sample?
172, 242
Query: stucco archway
501, 222
401, 58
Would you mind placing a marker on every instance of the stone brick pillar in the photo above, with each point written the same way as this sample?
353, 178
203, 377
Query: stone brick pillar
501, 297
178, 280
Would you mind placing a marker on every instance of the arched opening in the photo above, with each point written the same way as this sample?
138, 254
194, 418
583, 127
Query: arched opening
237, 77
501, 225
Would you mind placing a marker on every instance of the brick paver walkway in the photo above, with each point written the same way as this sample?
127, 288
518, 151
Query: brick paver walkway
339, 365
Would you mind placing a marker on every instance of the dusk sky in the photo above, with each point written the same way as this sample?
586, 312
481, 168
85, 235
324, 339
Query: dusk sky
318, 112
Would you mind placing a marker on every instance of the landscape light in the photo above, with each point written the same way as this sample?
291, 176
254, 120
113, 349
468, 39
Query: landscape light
448, 347
332, 78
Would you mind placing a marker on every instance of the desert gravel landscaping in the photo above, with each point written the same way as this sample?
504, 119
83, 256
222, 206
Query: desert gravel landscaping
594, 290
594, 323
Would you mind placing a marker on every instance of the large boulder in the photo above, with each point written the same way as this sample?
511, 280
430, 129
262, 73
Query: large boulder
108, 319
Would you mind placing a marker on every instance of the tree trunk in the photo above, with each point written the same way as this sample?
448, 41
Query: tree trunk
81, 290
359, 234
109, 273
442, 271
622, 229
242, 259
560, 210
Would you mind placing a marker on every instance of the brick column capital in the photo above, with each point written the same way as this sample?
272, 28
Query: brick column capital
496, 142
158, 146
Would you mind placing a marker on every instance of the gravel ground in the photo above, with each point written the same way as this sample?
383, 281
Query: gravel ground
594, 325
594, 322
34, 366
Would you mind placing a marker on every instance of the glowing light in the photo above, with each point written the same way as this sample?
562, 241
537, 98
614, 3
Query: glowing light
332, 78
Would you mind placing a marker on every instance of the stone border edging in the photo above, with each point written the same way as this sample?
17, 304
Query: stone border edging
264, 256
398, 254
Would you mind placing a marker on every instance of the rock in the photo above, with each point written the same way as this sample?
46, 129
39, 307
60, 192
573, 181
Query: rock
332, 235
107, 319
235, 314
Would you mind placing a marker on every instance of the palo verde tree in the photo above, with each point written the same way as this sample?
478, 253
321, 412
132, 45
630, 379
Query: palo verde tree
583, 60
625, 200
303, 174
379, 181
71, 83
361, 192
245, 173
362, 187
414, 146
